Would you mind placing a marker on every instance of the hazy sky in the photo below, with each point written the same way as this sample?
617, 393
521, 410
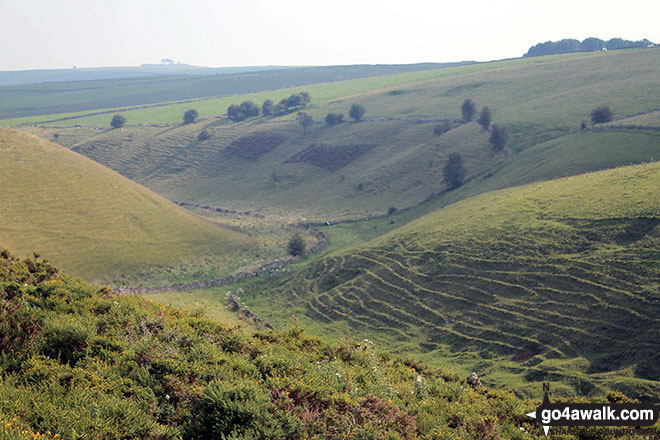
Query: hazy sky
86, 33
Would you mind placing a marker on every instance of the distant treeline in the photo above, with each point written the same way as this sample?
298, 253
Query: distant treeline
588, 45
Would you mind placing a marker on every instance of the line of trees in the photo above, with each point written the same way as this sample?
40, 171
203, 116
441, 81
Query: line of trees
247, 109
587, 45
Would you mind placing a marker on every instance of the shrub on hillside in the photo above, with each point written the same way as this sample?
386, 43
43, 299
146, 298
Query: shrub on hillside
190, 116
334, 118
454, 171
356, 112
498, 137
296, 245
203, 135
117, 121
601, 114
468, 109
304, 120
485, 117
267, 108
241, 112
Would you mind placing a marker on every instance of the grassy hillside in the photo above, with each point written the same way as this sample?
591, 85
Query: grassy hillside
555, 281
537, 98
26, 100
98, 224
16, 77
394, 162
77, 362
331, 172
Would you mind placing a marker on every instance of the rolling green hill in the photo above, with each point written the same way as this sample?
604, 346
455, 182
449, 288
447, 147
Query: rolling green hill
390, 159
537, 98
349, 170
77, 362
553, 281
98, 224
25, 100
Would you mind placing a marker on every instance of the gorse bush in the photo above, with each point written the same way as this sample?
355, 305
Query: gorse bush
79, 362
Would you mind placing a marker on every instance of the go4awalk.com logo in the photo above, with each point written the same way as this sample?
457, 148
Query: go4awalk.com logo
593, 414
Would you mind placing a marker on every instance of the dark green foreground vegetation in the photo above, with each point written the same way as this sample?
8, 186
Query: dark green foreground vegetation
78, 362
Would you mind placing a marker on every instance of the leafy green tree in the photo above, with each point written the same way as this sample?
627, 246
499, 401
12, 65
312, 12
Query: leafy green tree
334, 118
190, 116
468, 109
356, 112
241, 112
249, 108
118, 121
498, 137
454, 171
485, 118
267, 108
304, 120
601, 114
296, 245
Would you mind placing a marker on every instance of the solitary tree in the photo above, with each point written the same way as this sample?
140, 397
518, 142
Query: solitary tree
296, 245
203, 135
485, 118
190, 116
267, 108
468, 109
118, 121
304, 120
498, 138
601, 114
454, 171
356, 112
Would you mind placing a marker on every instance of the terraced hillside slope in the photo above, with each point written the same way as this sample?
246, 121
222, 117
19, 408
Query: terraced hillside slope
390, 159
96, 223
330, 172
78, 361
554, 281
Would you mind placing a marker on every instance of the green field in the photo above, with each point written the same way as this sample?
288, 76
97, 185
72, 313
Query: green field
45, 99
100, 225
554, 281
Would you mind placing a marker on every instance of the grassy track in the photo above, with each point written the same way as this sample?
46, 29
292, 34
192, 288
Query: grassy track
521, 283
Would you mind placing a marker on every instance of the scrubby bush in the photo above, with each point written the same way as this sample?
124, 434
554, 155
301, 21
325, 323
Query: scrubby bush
356, 112
468, 109
203, 135
267, 108
117, 121
498, 137
485, 117
296, 245
601, 114
454, 171
241, 112
334, 118
190, 116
